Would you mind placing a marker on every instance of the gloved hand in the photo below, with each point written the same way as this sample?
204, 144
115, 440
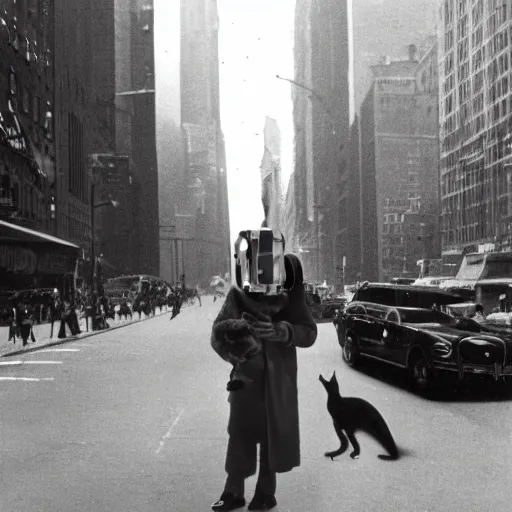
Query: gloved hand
279, 332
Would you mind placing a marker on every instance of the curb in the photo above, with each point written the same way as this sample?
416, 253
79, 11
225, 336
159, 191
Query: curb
80, 336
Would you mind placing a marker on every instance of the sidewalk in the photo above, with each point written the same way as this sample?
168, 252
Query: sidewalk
43, 339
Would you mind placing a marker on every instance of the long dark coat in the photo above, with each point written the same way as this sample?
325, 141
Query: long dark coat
275, 399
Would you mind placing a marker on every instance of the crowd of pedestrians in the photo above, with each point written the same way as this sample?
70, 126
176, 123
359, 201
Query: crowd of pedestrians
63, 313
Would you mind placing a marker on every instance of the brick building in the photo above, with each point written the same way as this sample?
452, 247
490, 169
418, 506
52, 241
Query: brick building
399, 167
475, 125
386, 27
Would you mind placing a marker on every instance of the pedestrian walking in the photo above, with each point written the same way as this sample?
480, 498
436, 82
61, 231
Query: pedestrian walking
265, 410
13, 324
24, 323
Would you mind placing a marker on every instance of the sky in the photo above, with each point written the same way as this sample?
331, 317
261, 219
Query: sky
255, 45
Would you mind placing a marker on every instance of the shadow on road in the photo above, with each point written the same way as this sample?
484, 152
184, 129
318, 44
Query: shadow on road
476, 389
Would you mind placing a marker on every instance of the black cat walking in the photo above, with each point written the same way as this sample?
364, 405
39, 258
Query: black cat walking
352, 414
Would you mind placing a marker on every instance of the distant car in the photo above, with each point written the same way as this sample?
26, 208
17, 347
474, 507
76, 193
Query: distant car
403, 326
403, 280
430, 281
329, 307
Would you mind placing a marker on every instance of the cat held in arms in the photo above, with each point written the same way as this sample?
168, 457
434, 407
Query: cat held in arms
352, 414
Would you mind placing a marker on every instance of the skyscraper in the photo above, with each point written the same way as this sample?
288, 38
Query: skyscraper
321, 121
399, 166
272, 194
123, 138
202, 217
475, 121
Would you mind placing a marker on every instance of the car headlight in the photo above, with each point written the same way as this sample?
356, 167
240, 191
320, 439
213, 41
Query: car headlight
442, 349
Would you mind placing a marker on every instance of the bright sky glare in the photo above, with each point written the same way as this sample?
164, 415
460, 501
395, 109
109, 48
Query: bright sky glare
255, 44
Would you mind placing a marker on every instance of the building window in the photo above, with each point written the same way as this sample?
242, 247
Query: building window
12, 82
36, 108
77, 176
25, 100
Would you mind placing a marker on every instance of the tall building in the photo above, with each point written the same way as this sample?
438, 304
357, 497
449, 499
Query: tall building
321, 122
72, 78
385, 28
43, 184
289, 219
27, 139
303, 187
475, 126
202, 243
270, 168
399, 168
349, 238
122, 149
143, 133
170, 149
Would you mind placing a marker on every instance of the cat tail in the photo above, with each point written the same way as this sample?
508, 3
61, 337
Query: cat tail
382, 433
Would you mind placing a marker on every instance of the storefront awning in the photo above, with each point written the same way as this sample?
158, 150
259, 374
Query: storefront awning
14, 233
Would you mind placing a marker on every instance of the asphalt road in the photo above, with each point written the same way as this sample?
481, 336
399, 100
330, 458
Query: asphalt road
135, 420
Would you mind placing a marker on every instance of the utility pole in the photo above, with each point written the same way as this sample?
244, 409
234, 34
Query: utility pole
95, 205
93, 254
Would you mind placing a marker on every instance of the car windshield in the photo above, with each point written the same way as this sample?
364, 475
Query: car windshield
424, 316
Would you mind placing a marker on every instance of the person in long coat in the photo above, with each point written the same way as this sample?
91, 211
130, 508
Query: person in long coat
265, 410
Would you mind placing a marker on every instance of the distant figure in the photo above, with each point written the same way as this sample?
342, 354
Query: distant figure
479, 315
24, 322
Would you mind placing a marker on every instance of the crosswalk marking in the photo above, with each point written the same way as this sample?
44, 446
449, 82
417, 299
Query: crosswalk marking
17, 363
42, 362
27, 379
58, 350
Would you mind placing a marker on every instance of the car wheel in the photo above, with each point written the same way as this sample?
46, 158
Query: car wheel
421, 374
351, 351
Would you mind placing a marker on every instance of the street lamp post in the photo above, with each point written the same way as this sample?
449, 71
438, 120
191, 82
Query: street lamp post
95, 205
319, 246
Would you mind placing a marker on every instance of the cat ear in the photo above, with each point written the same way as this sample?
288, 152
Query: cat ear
333, 378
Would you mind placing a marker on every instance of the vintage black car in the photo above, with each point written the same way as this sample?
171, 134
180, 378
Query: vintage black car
405, 326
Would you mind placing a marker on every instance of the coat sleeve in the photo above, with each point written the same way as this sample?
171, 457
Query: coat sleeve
303, 335
301, 324
226, 313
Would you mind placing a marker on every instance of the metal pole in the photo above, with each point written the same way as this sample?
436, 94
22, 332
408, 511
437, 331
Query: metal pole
317, 244
183, 250
176, 258
93, 254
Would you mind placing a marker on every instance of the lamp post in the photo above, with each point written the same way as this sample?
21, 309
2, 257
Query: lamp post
321, 247
94, 205
314, 94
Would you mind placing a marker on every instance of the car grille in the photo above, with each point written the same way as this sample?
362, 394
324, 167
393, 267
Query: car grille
482, 352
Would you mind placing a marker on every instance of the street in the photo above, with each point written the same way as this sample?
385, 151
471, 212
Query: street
135, 420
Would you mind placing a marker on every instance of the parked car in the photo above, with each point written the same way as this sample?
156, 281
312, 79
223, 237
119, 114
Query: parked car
405, 327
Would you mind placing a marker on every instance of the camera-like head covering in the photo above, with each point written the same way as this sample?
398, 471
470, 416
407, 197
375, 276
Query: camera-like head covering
260, 262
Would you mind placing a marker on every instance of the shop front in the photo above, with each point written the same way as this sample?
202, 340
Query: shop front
31, 259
